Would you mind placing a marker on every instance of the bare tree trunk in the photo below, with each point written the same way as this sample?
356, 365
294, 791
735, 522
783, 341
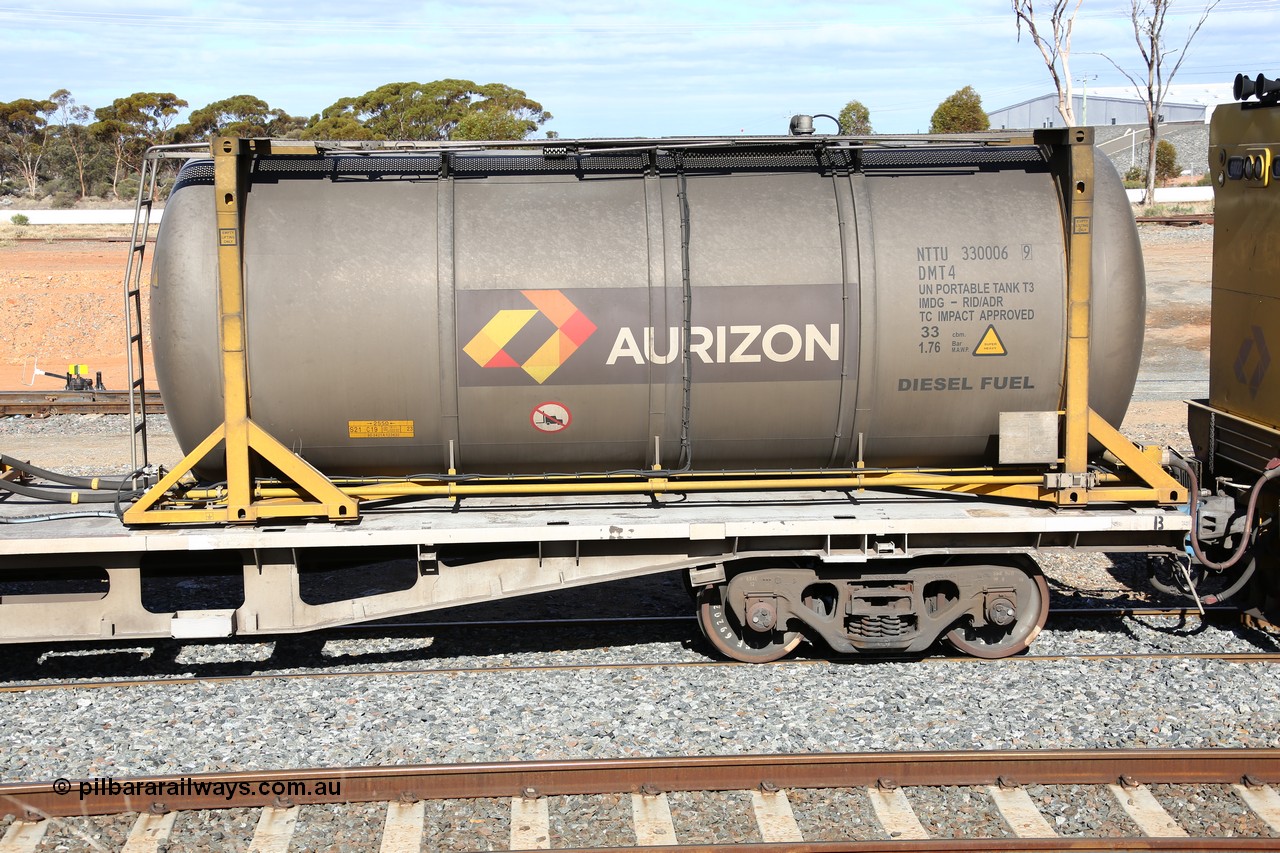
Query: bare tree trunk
79, 155
1153, 129
115, 172
77, 143
29, 168
1055, 51
1148, 18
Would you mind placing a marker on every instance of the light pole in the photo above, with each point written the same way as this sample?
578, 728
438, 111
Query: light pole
1083, 80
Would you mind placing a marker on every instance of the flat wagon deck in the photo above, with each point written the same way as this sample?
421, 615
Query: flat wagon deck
484, 549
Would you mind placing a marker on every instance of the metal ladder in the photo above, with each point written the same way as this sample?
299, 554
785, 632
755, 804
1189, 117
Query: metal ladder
139, 458
133, 284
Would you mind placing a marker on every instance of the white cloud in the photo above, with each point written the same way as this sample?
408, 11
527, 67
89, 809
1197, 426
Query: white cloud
667, 68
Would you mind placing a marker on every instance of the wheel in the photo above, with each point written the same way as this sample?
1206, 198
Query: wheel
996, 640
734, 641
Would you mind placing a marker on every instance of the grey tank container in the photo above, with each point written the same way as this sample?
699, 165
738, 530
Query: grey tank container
529, 314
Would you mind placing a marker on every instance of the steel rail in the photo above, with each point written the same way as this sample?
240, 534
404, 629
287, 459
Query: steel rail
73, 402
184, 680
1134, 609
646, 775
1182, 219
1075, 844
76, 239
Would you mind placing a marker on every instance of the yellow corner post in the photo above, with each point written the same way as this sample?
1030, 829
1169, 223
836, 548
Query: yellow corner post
1077, 485
1079, 211
241, 437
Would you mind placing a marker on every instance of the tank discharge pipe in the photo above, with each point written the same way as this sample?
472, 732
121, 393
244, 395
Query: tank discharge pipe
380, 490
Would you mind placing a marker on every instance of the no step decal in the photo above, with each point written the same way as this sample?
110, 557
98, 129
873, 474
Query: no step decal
550, 417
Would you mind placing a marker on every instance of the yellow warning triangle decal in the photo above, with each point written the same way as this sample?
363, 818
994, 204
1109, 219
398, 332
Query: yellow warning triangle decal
990, 343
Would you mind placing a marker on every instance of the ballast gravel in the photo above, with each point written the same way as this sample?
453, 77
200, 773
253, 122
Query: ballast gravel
835, 815
605, 820
1165, 235
101, 832
1082, 810
960, 812
608, 713
202, 831
713, 817
467, 824
78, 425
338, 826
1210, 810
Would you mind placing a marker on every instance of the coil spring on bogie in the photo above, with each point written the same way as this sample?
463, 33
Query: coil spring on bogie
869, 626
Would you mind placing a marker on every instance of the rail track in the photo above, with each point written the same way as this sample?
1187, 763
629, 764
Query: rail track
73, 402
777, 791
113, 684
111, 239
188, 674
1181, 220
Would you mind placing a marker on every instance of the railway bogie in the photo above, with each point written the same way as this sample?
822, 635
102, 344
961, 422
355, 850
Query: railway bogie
985, 607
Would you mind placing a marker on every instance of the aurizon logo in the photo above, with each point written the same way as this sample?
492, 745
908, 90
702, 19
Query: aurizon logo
572, 330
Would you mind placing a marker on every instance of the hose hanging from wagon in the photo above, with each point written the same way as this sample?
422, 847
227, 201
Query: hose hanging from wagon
91, 483
85, 490
108, 493
54, 516
1271, 472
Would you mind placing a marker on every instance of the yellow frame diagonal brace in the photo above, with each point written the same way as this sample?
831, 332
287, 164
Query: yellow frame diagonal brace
241, 436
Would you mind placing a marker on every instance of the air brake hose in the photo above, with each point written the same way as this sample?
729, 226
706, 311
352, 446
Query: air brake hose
1220, 597
53, 516
1271, 472
54, 496
92, 483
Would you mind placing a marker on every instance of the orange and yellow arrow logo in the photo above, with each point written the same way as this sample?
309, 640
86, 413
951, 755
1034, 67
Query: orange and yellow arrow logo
572, 330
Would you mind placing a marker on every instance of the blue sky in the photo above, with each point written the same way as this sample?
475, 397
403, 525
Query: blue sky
656, 69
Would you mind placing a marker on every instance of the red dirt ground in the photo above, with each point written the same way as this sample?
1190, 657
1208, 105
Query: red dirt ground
60, 304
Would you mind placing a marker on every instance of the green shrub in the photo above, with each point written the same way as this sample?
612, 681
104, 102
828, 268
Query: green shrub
1135, 178
960, 113
63, 200
19, 219
1167, 167
128, 188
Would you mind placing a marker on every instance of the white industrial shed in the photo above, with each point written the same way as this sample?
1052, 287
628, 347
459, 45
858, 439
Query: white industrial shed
1096, 110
